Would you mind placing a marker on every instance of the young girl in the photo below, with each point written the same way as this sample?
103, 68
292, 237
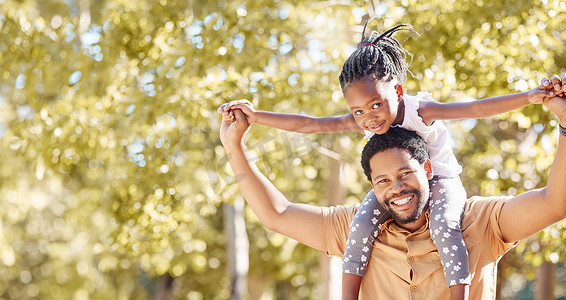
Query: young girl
372, 82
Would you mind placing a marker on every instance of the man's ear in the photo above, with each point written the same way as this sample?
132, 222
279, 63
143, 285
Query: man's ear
428, 169
399, 90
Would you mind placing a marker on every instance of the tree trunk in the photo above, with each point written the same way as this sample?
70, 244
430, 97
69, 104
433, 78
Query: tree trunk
544, 281
257, 286
331, 267
165, 288
84, 19
238, 248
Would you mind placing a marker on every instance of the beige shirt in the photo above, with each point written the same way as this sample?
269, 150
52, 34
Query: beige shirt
406, 265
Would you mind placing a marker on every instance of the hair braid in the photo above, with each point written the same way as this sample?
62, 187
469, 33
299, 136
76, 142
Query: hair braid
380, 56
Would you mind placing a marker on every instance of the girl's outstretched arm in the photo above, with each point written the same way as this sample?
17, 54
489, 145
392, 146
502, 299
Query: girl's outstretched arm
431, 111
293, 122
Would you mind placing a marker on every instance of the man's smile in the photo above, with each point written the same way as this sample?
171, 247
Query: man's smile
403, 201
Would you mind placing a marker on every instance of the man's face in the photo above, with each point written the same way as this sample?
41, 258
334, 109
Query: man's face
401, 186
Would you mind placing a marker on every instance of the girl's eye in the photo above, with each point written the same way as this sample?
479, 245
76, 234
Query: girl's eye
358, 112
376, 105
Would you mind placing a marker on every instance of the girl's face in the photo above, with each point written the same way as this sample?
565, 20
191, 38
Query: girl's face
375, 104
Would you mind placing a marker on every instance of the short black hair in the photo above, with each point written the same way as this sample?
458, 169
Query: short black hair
378, 56
395, 137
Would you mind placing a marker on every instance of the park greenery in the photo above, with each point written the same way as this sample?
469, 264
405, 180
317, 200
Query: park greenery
113, 181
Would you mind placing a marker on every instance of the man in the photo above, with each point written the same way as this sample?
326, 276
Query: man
404, 263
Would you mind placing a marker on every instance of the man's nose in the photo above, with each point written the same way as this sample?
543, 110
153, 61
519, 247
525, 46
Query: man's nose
398, 186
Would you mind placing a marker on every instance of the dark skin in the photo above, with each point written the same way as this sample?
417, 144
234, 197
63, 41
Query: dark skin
515, 232
351, 284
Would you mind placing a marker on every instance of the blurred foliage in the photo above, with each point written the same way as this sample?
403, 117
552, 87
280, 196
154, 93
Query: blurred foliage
113, 173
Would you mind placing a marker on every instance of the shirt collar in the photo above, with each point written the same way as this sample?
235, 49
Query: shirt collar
391, 226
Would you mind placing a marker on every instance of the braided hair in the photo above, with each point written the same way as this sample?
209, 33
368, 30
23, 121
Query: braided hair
378, 56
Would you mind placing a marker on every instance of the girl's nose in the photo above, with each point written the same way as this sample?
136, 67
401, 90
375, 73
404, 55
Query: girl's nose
371, 115
372, 121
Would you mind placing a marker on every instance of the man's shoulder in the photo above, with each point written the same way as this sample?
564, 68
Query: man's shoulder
477, 204
345, 212
336, 225
482, 232
476, 207
481, 217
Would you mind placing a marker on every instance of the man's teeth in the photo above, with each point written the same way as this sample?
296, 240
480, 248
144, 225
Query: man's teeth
402, 201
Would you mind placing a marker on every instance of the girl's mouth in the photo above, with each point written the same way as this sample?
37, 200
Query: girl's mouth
377, 127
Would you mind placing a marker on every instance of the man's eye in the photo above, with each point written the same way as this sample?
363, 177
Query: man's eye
405, 174
358, 112
376, 105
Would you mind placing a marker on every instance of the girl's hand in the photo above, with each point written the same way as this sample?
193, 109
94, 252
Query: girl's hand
244, 105
538, 94
226, 106
555, 85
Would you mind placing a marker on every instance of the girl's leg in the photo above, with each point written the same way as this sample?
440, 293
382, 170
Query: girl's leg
447, 203
363, 231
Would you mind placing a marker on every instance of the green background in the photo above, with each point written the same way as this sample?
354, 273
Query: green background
112, 175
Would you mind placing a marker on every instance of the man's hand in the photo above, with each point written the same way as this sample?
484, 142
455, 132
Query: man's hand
244, 105
532, 211
298, 221
558, 106
233, 128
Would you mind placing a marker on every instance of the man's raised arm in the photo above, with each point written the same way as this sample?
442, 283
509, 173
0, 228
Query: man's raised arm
530, 212
301, 222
